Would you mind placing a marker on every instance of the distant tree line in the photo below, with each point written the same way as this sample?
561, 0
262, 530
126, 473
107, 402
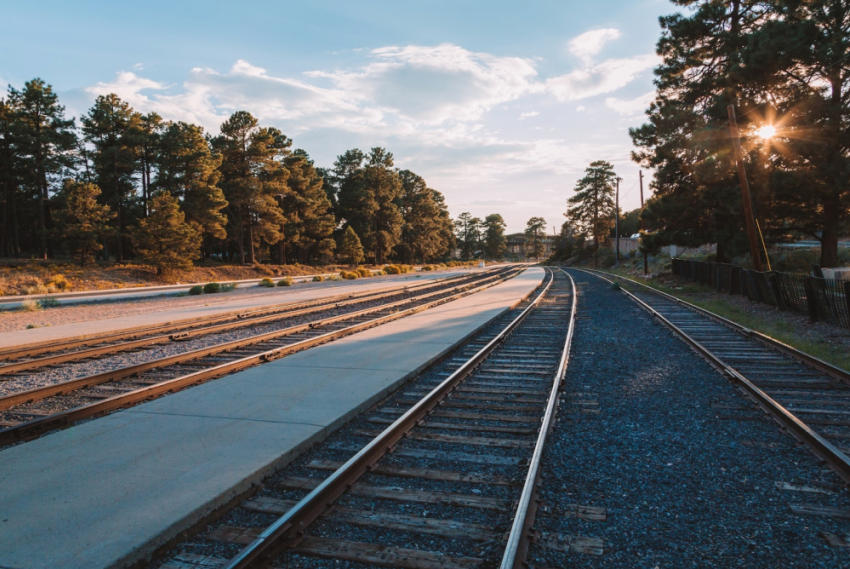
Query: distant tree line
781, 63
126, 185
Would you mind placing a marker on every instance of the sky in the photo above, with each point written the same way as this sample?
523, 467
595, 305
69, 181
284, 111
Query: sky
500, 106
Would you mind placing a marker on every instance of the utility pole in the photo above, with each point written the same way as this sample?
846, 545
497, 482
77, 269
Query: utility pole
642, 228
617, 224
745, 191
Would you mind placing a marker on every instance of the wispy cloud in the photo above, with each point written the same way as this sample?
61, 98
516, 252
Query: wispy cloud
601, 78
528, 115
630, 106
591, 43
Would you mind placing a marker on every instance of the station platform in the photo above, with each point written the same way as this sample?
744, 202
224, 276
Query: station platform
107, 493
297, 293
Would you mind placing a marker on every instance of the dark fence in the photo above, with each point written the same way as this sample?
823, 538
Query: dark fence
827, 300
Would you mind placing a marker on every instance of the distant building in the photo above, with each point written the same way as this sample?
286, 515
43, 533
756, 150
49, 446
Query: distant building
516, 245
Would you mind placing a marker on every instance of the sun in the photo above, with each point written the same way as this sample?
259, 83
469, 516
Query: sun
767, 131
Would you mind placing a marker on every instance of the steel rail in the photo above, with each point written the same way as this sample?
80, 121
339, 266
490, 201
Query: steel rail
241, 320
38, 426
289, 529
807, 359
522, 532
40, 393
821, 447
37, 348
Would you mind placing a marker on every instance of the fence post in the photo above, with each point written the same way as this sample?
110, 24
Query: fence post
811, 301
777, 292
847, 298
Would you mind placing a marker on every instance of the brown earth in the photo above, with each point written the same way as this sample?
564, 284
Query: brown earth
35, 277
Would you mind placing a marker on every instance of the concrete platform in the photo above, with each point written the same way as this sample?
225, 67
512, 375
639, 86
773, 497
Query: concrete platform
108, 492
298, 293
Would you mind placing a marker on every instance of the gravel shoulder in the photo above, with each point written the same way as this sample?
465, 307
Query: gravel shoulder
687, 469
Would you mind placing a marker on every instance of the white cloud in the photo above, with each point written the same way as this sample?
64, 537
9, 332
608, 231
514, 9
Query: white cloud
138, 67
591, 43
434, 84
528, 115
631, 106
604, 77
580, 108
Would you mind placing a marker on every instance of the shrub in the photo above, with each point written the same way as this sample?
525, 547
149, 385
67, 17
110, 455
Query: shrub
196, 290
48, 303
427, 268
392, 270
318, 278
228, 287
34, 289
267, 282
451, 264
351, 276
363, 272
285, 281
615, 286
59, 281
212, 288
30, 305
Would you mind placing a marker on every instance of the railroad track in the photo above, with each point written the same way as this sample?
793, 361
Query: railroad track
808, 397
450, 481
32, 412
31, 357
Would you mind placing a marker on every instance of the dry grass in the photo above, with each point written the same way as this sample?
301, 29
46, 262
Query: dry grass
24, 277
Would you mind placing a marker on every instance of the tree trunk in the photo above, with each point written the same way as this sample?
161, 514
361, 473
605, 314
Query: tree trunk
829, 233
251, 243
241, 237
42, 190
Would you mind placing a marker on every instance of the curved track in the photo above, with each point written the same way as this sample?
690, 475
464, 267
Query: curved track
449, 483
808, 397
31, 412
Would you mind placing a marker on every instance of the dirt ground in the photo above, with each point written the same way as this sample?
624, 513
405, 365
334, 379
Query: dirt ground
36, 277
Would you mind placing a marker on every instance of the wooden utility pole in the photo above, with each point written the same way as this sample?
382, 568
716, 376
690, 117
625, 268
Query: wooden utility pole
617, 225
640, 175
745, 191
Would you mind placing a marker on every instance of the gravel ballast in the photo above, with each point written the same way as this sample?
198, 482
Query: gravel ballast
687, 468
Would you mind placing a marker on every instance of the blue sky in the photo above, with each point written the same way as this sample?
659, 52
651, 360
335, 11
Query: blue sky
498, 105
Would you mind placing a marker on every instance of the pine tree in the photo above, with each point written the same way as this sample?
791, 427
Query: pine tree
164, 239
591, 209
535, 230
148, 132
10, 181
350, 248
253, 180
422, 235
83, 222
45, 140
188, 170
468, 231
494, 236
111, 126
697, 196
309, 219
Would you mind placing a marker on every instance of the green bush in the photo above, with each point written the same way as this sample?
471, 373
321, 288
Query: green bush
212, 288
196, 290
318, 278
427, 268
48, 303
363, 272
392, 270
351, 276
285, 281
267, 282
228, 287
